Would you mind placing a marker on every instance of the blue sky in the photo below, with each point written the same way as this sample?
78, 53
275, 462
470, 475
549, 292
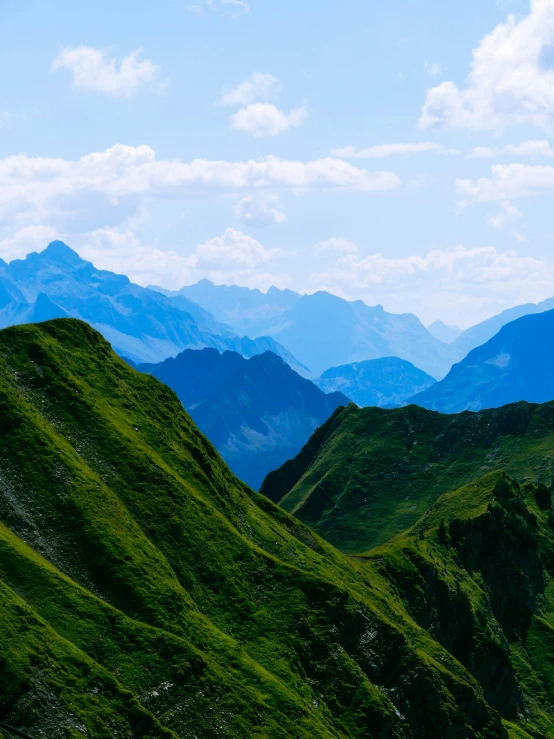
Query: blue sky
395, 152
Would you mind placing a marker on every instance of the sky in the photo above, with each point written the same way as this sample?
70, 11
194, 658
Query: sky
400, 153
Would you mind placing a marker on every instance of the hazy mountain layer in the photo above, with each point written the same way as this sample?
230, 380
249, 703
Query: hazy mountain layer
141, 324
516, 364
242, 308
443, 332
258, 412
381, 382
482, 332
323, 330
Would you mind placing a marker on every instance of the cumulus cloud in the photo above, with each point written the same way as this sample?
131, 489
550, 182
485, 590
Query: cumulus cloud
266, 119
104, 188
510, 81
26, 240
470, 282
93, 70
387, 150
432, 69
233, 249
260, 117
259, 210
233, 8
233, 257
531, 148
508, 213
507, 182
259, 86
336, 245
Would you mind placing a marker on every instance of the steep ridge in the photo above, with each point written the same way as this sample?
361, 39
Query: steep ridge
383, 382
476, 572
482, 332
141, 324
257, 412
146, 592
516, 364
369, 473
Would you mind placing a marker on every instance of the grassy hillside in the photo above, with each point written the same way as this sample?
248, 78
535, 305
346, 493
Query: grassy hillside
369, 473
146, 593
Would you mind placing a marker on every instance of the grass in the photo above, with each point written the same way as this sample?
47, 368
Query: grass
146, 592
370, 473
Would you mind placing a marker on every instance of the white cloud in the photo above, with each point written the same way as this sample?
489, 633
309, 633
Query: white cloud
484, 152
519, 237
531, 148
233, 257
26, 240
470, 282
386, 150
231, 250
104, 188
337, 245
433, 70
510, 82
259, 86
259, 210
94, 70
507, 182
265, 119
233, 8
508, 213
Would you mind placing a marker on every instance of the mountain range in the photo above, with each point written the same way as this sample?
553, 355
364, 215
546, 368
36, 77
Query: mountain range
140, 323
516, 364
368, 474
443, 332
382, 382
322, 330
480, 333
245, 310
146, 592
257, 412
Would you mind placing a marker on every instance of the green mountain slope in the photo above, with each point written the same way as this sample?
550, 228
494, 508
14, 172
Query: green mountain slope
370, 473
145, 592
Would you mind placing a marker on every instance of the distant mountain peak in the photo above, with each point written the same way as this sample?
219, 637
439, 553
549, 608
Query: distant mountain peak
60, 252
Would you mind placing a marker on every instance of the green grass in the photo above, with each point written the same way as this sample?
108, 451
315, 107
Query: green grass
369, 474
146, 592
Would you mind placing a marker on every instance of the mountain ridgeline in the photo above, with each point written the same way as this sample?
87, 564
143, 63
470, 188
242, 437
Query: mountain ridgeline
257, 412
516, 364
323, 330
141, 324
368, 474
146, 592
382, 382
481, 333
